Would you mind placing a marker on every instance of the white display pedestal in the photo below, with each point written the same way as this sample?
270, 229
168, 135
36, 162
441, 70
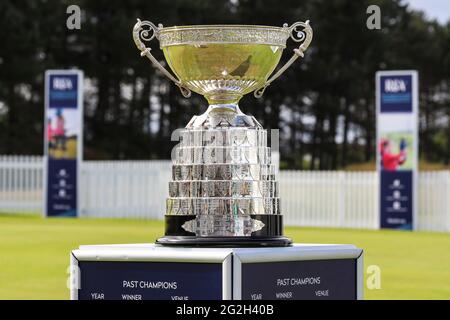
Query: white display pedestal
147, 271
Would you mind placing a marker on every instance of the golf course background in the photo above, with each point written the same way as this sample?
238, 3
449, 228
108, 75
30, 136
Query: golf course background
34, 254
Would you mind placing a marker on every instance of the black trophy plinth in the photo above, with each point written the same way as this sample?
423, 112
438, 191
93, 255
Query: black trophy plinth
269, 236
224, 242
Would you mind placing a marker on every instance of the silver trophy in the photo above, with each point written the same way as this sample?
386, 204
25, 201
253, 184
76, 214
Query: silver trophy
223, 190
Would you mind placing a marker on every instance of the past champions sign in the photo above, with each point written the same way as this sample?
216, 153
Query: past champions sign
397, 147
63, 139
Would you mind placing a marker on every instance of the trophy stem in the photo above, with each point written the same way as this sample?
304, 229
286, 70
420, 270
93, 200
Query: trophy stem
227, 107
223, 116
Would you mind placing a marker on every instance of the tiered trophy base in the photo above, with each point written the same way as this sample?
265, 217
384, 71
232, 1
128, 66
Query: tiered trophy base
223, 191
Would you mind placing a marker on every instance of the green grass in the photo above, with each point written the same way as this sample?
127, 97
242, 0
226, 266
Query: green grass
34, 254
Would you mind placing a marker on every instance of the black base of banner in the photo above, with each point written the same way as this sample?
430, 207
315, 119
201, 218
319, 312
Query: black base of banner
271, 235
224, 242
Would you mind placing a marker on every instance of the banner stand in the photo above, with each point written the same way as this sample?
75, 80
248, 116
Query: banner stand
397, 102
63, 142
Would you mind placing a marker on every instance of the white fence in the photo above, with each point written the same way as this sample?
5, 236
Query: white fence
21, 184
434, 201
329, 198
138, 189
135, 189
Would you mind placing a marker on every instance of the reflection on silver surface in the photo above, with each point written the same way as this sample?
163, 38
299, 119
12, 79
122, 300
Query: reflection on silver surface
222, 155
223, 188
223, 226
254, 137
223, 172
222, 206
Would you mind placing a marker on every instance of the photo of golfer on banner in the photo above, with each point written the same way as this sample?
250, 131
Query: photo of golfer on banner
61, 133
394, 153
396, 143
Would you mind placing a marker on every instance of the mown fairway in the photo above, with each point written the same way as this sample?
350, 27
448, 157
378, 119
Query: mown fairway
34, 254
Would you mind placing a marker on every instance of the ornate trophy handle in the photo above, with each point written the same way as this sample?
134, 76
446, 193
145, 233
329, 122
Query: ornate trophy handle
305, 36
146, 31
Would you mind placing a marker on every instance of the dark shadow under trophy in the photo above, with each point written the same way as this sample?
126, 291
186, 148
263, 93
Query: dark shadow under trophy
223, 190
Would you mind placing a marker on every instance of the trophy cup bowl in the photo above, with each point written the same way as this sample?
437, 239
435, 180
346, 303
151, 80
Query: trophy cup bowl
222, 71
223, 190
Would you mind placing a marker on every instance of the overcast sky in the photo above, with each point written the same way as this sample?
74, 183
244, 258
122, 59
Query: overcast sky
434, 9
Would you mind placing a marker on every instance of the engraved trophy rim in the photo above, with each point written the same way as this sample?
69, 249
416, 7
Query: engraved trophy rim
274, 36
195, 26
215, 34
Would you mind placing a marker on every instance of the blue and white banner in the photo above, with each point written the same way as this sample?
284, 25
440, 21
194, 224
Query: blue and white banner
63, 139
397, 147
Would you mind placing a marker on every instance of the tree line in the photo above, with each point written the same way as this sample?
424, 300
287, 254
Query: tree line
324, 104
